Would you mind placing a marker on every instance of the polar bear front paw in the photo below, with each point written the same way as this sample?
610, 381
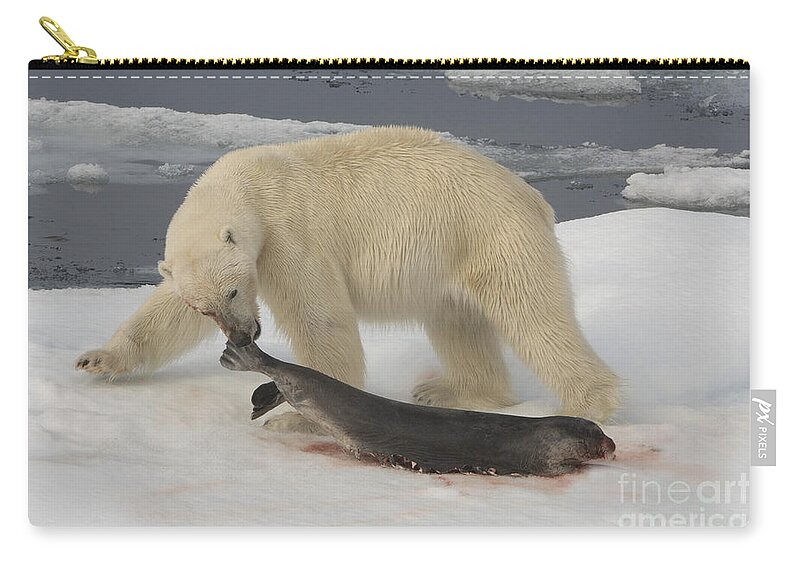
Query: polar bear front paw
292, 422
599, 411
434, 392
100, 362
438, 391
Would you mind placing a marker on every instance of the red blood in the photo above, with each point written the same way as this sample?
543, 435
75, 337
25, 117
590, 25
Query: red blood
323, 447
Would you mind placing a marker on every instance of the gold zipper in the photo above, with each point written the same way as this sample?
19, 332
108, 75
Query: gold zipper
74, 54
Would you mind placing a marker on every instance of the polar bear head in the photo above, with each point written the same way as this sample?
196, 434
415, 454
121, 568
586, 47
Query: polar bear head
218, 279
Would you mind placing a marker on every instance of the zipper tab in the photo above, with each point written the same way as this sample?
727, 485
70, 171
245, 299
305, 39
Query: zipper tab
72, 52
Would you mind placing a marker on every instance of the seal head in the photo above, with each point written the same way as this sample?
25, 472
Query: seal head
565, 443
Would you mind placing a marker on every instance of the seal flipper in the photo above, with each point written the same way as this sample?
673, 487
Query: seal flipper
265, 398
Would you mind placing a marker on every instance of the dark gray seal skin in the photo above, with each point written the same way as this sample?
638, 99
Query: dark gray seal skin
424, 438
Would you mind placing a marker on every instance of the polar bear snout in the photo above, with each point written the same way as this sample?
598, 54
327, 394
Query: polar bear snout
241, 327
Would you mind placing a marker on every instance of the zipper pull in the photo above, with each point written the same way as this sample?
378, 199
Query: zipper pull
72, 52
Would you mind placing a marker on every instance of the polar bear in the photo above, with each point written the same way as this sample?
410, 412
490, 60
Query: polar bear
384, 224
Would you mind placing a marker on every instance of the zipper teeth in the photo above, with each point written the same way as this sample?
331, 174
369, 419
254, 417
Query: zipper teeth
423, 63
441, 63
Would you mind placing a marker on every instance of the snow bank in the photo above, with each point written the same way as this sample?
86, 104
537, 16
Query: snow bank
140, 126
661, 294
701, 93
132, 142
598, 87
701, 188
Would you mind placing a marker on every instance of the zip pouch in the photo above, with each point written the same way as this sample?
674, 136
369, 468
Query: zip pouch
487, 292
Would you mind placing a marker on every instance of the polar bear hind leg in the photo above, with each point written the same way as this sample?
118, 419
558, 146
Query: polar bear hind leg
525, 294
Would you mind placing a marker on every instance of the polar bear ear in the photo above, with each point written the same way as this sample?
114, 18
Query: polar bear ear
165, 269
226, 235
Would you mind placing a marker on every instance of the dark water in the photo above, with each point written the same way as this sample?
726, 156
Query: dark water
112, 238
584, 197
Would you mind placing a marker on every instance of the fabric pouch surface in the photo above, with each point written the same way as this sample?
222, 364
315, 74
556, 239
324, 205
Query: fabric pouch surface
530, 238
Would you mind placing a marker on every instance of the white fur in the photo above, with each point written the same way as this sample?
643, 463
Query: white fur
384, 224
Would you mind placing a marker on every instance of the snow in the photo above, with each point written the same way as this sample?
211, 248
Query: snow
598, 87
168, 170
661, 294
87, 177
591, 159
141, 139
702, 188
706, 94
141, 126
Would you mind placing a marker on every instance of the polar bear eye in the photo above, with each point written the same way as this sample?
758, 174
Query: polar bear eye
232, 294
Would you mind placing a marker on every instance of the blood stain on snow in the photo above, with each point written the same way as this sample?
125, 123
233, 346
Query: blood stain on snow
324, 448
644, 455
557, 485
446, 481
